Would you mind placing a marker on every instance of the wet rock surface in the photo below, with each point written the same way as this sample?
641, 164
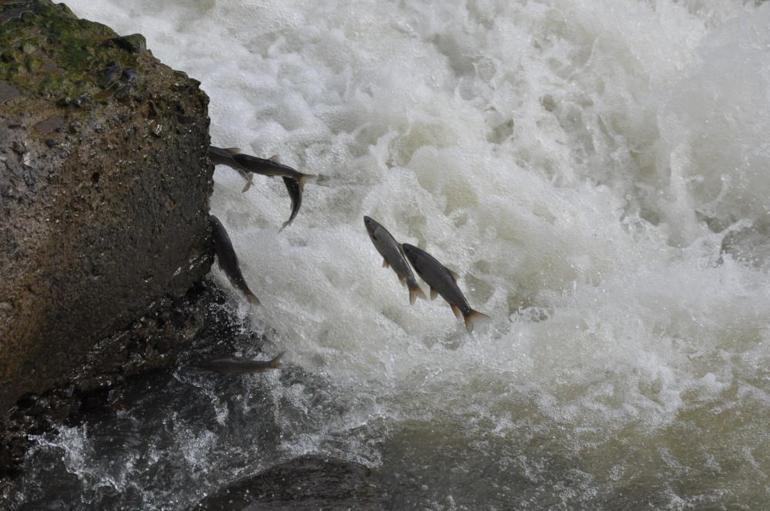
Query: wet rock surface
304, 483
104, 186
120, 370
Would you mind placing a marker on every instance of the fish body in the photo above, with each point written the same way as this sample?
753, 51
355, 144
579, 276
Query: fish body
393, 256
247, 165
241, 365
227, 259
442, 281
268, 167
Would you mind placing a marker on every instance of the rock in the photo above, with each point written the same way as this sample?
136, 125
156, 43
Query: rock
304, 483
104, 186
198, 324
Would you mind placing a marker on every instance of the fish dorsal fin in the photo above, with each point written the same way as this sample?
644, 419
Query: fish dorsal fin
232, 150
433, 294
452, 274
385, 263
275, 158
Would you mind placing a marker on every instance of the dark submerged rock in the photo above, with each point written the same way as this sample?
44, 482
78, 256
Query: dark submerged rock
177, 331
104, 186
304, 483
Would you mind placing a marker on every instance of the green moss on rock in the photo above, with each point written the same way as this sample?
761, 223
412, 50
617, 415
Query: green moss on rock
47, 51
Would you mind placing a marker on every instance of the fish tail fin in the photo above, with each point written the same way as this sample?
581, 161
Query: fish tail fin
414, 291
252, 298
472, 317
276, 362
322, 180
285, 225
306, 178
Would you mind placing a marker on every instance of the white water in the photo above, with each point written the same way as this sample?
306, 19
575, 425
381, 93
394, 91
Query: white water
578, 163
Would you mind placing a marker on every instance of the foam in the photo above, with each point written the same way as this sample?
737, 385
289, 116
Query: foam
577, 162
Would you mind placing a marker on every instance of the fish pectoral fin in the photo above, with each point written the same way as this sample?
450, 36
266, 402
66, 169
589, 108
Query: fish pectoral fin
249, 181
433, 294
456, 310
385, 263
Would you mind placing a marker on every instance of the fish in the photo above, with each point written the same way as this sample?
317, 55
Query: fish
442, 281
227, 259
224, 156
393, 256
247, 165
270, 167
241, 365
295, 194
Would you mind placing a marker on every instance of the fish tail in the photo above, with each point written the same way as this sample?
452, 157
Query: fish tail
276, 362
414, 291
472, 317
305, 178
252, 298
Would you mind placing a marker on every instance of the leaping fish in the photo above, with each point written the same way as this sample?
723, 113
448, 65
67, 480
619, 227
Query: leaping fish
227, 259
247, 165
393, 256
442, 281
241, 365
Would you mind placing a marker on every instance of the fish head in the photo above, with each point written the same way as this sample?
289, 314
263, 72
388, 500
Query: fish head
371, 227
414, 255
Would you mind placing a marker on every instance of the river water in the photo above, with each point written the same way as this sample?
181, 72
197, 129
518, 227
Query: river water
598, 174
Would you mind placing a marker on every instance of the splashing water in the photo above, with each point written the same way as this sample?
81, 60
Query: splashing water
580, 164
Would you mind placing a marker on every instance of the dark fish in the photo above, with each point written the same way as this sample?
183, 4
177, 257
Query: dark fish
227, 259
295, 194
241, 365
271, 167
393, 256
442, 281
220, 156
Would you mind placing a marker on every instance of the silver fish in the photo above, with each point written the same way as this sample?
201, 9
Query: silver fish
241, 365
442, 281
393, 256
227, 259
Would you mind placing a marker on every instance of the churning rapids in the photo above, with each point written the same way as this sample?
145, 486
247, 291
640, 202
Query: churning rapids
597, 172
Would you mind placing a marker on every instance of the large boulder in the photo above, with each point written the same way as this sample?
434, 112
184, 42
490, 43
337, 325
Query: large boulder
104, 186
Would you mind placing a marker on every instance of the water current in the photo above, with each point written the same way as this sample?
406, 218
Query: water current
598, 174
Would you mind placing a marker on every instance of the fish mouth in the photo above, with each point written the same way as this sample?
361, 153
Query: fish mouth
370, 224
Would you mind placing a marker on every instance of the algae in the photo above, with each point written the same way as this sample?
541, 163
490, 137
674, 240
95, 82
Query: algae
45, 51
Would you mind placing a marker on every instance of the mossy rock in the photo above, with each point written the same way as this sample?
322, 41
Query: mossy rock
104, 186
